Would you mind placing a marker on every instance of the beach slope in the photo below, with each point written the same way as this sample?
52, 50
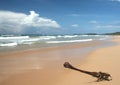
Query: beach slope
103, 59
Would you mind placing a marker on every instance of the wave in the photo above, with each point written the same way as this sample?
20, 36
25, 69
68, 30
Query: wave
70, 41
103, 39
23, 40
67, 36
9, 44
47, 37
15, 37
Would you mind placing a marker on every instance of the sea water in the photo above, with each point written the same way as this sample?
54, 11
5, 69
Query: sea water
13, 42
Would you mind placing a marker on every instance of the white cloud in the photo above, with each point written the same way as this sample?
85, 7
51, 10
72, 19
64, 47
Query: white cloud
75, 15
17, 22
34, 20
79, 15
115, 0
108, 26
93, 22
75, 25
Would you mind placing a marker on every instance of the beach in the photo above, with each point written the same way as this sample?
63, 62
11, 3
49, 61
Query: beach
103, 59
45, 66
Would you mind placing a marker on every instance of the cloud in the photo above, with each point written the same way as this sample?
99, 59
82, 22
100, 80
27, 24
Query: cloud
115, 0
34, 20
78, 15
18, 22
108, 26
93, 22
75, 25
75, 15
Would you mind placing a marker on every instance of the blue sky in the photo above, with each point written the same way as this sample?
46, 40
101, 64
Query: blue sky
59, 16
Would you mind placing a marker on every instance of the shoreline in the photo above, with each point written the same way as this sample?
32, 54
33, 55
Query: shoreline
61, 47
43, 67
45, 49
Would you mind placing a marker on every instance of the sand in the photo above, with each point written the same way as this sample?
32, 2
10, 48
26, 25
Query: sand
34, 67
103, 59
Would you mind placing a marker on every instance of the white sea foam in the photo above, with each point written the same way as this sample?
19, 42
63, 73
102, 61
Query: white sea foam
67, 36
102, 38
70, 36
47, 37
19, 40
15, 37
9, 44
70, 41
29, 41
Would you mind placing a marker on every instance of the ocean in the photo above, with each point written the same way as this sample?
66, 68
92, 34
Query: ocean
13, 42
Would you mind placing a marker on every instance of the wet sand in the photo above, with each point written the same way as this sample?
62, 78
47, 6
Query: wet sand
45, 66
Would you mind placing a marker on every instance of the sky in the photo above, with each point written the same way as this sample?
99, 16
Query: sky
59, 16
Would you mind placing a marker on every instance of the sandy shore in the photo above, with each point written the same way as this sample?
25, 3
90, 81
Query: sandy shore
103, 59
44, 67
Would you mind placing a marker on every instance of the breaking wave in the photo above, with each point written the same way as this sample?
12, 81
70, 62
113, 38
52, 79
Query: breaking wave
28, 40
69, 41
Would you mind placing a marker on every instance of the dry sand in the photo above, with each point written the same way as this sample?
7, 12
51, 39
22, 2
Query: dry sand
49, 71
103, 59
